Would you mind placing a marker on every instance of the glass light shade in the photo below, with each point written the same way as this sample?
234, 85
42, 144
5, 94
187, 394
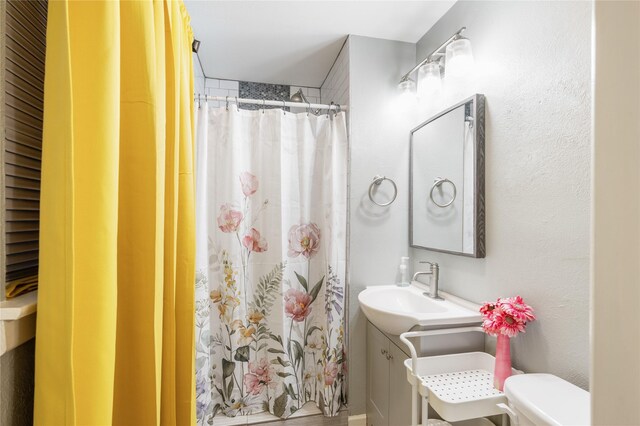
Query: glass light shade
429, 82
407, 85
459, 58
406, 99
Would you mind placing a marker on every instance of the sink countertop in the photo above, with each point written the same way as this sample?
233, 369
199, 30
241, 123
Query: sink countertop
396, 309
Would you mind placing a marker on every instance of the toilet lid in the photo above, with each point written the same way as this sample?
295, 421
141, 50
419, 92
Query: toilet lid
547, 399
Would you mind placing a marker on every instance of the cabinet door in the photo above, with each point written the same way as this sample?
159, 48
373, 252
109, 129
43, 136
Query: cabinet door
377, 378
399, 389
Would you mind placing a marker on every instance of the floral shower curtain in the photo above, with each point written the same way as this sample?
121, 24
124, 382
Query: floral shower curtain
271, 240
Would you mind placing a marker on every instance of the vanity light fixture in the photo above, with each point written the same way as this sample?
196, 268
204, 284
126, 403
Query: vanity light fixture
407, 84
429, 80
458, 60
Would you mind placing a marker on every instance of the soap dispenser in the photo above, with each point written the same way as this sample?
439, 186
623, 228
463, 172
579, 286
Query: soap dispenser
404, 272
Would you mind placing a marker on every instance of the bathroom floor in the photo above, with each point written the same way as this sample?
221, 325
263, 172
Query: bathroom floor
308, 415
341, 419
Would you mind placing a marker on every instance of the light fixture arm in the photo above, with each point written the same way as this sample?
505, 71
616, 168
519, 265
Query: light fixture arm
436, 52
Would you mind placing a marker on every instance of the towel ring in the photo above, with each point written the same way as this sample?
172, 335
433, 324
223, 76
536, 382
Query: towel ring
437, 183
377, 181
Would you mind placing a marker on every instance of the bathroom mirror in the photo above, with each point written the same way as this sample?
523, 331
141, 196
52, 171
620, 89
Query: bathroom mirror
446, 211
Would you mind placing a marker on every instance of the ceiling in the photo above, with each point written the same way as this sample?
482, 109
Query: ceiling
296, 42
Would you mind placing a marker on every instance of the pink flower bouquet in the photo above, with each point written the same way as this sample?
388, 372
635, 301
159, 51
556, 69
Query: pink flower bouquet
507, 316
505, 319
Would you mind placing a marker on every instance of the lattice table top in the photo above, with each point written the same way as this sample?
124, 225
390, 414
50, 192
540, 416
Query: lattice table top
462, 386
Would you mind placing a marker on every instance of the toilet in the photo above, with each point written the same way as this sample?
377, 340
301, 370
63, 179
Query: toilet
545, 399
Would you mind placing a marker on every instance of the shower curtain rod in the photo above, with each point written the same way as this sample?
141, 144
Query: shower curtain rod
233, 99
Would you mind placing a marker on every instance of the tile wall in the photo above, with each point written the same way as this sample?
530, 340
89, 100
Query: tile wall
216, 87
273, 92
251, 90
336, 86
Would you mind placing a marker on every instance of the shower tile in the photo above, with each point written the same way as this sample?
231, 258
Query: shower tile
315, 420
307, 410
212, 83
262, 418
336, 86
222, 420
278, 92
218, 92
307, 415
229, 84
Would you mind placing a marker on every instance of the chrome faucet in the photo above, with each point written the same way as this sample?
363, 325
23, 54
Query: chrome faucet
435, 274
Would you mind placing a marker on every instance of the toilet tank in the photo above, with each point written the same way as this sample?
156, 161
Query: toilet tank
545, 399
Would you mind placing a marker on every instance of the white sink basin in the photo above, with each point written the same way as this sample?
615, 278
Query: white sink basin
396, 309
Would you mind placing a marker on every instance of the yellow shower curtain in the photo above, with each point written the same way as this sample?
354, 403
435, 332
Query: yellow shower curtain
115, 332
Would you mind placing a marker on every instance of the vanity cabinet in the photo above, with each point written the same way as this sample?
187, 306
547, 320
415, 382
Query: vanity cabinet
388, 391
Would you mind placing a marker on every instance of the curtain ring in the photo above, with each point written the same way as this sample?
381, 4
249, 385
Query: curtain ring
226, 99
329, 116
264, 102
283, 107
237, 105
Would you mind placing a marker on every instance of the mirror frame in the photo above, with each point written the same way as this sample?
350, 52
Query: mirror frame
478, 108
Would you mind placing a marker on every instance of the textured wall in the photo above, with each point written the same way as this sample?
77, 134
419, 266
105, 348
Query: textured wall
534, 68
379, 123
16, 385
